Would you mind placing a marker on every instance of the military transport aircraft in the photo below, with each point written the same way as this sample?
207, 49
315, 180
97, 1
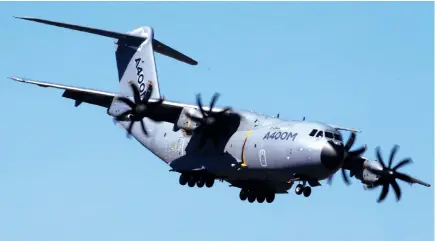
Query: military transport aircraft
261, 155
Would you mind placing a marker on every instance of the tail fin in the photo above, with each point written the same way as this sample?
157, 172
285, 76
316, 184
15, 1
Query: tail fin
135, 62
134, 54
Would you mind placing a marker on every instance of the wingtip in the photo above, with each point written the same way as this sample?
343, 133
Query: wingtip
27, 18
15, 78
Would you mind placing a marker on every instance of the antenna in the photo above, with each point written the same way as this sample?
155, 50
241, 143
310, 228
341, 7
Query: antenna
303, 119
277, 116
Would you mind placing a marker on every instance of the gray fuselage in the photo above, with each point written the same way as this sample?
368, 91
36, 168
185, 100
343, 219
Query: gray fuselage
266, 147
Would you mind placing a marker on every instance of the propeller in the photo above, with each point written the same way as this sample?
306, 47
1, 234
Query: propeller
389, 174
139, 109
211, 123
348, 156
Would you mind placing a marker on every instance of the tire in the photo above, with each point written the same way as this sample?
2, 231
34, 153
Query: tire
243, 194
192, 181
209, 182
270, 198
184, 178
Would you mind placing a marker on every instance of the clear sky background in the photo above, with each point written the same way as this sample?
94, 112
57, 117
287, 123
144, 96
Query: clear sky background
69, 174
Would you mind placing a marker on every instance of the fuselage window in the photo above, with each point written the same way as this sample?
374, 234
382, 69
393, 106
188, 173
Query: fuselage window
319, 134
329, 135
337, 137
313, 132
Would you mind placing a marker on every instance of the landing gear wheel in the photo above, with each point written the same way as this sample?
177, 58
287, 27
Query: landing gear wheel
299, 189
200, 182
243, 194
270, 197
209, 182
261, 198
192, 181
251, 197
307, 191
183, 179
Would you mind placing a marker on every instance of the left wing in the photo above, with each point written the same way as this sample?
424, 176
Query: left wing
169, 110
80, 95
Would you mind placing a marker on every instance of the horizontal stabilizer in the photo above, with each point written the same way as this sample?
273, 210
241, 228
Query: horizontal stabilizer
158, 46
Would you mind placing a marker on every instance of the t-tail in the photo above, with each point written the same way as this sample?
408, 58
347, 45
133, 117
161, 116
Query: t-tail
134, 55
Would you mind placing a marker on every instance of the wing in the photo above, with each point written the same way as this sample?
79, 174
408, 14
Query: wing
80, 95
169, 111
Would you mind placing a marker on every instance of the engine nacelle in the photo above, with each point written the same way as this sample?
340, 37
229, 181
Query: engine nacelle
365, 175
184, 122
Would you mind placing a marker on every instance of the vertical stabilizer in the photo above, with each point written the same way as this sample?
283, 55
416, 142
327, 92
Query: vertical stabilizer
136, 63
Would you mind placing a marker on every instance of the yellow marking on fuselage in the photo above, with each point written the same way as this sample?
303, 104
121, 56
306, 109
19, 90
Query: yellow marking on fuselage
188, 125
243, 149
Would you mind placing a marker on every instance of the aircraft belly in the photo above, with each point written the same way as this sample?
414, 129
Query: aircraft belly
162, 140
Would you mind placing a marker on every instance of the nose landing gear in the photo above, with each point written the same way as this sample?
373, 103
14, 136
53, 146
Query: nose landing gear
303, 189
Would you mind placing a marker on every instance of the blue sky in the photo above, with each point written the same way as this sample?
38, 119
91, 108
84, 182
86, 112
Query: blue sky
69, 174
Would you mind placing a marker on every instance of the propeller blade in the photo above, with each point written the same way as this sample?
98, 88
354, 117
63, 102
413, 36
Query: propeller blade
213, 100
350, 141
148, 93
378, 155
346, 180
392, 154
396, 189
402, 163
142, 124
404, 177
136, 93
130, 127
199, 103
384, 192
359, 151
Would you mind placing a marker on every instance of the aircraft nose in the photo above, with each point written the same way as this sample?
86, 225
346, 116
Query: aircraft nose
332, 155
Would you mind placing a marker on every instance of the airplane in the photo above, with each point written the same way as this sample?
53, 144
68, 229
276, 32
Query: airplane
259, 154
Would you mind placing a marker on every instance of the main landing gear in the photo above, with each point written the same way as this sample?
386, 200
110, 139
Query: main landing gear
260, 196
303, 188
199, 179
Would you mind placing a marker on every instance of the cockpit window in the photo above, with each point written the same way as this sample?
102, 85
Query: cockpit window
319, 134
329, 135
313, 132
